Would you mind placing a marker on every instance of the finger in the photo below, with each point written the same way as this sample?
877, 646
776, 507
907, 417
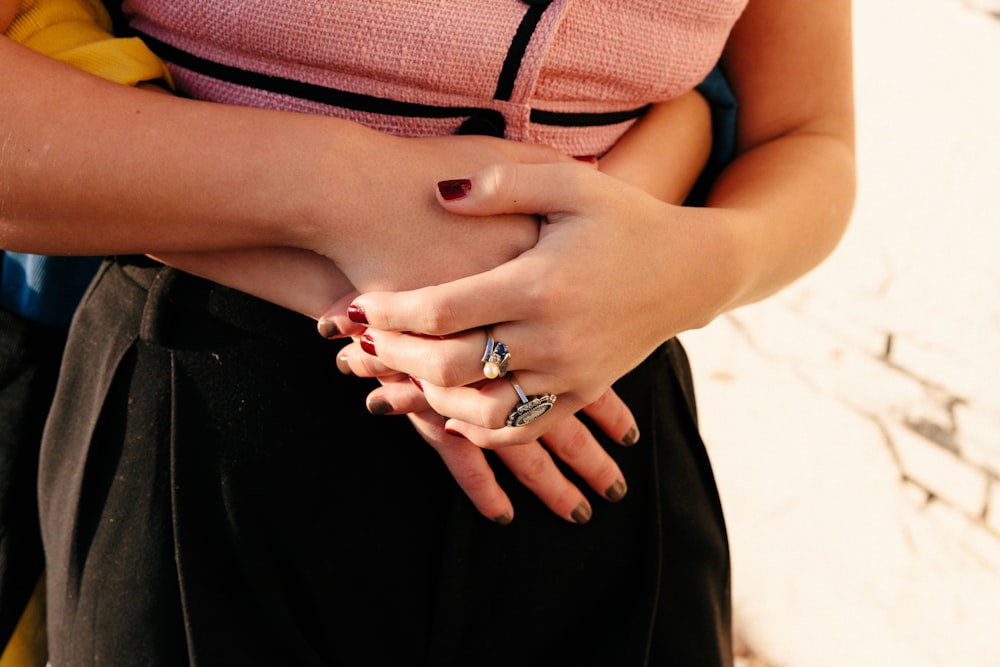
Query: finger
573, 444
497, 404
397, 396
444, 361
335, 323
449, 308
614, 418
353, 360
533, 466
536, 189
468, 465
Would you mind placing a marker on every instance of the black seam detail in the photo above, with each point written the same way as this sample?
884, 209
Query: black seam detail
561, 119
367, 103
309, 91
515, 54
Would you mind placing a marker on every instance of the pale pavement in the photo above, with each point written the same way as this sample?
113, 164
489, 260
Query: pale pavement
854, 419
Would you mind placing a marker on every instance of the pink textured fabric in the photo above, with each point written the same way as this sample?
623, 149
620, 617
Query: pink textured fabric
593, 56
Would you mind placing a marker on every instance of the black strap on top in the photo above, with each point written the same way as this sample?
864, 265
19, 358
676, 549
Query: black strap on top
518, 46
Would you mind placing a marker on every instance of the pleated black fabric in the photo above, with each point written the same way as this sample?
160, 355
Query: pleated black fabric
214, 492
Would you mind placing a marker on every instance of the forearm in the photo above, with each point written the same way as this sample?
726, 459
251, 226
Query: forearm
120, 170
782, 208
665, 151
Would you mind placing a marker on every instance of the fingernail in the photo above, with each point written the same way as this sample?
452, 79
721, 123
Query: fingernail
416, 383
456, 189
616, 491
631, 437
582, 513
327, 328
368, 344
357, 314
586, 158
453, 433
503, 519
379, 407
344, 365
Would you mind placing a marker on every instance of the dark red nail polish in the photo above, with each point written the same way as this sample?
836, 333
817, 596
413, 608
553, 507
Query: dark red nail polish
455, 189
416, 382
453, 433
586, 158
368, 344
357, 314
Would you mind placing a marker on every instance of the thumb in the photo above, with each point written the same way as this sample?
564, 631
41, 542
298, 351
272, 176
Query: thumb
538, 189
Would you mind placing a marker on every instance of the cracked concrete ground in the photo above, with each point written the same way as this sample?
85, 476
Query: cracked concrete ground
854, 419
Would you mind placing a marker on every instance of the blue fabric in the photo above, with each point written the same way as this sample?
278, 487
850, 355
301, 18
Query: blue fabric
44, 289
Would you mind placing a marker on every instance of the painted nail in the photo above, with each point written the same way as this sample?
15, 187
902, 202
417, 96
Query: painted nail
344, 365
327, 328
379, 407
631, 437
368, 344
456, 189
582, 513
503, 519
616, 491
416, 382
453, 433
592, 159
357, 314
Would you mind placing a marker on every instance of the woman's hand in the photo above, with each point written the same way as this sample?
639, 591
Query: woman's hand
569, 440
577, 311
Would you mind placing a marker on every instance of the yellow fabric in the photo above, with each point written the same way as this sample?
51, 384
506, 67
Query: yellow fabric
78, 33
28, 646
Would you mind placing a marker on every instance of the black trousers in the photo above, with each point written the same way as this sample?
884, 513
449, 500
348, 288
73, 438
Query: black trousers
214, 492
30, 355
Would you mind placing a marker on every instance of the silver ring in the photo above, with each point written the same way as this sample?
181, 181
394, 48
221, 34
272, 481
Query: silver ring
495, 359
529, 409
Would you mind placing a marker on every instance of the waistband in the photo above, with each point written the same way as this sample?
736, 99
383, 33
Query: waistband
180, 307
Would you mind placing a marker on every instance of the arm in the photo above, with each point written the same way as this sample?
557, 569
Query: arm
145, 173
646, 270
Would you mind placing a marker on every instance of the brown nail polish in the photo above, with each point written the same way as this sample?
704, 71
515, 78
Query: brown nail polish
327, 329
456, 189
368, 344
582, 513
616, 491
357, 314
379, 407
631, 437
503, 519
343, 365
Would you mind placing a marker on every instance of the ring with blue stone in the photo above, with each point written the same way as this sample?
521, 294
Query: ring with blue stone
529, 409
495, 359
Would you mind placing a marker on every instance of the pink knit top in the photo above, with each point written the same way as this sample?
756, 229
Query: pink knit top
569, 73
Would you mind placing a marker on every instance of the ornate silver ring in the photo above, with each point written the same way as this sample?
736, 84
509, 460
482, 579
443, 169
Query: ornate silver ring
529, 409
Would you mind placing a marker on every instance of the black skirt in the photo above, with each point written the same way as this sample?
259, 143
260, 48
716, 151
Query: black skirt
214, 492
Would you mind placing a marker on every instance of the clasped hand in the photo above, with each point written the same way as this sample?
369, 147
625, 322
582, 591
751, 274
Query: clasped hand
577, 311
